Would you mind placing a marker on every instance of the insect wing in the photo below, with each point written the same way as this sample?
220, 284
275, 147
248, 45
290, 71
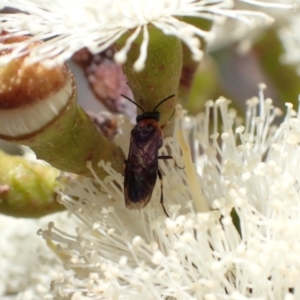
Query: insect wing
141, 169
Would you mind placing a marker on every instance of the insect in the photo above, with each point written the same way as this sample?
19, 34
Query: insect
141, 166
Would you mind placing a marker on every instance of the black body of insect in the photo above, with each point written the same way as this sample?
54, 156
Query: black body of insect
141, 166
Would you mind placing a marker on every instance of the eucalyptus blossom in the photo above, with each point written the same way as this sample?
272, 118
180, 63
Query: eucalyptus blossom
99, 24
245, 247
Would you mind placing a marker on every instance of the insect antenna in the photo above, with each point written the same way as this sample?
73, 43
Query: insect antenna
162, 101
133, 102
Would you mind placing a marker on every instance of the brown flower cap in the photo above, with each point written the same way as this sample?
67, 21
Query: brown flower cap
31, 95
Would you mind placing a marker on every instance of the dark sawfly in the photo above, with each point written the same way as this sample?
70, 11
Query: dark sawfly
141, 166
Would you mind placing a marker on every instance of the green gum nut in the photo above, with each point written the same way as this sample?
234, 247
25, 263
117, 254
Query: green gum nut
38, 108
27, 189
72, 140
161, 74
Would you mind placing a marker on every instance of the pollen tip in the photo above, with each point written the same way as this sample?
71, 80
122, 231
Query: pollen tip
139, 66
120, 57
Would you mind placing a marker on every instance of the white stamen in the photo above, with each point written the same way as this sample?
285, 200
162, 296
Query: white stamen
121, 55
253, 169
98, 24
140, 62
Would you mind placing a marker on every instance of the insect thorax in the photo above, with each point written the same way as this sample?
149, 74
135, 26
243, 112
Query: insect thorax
155, 115
146, 130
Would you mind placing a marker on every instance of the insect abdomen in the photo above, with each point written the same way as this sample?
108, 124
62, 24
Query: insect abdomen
138, 188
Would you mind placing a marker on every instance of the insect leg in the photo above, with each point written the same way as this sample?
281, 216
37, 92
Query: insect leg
161, 192
170, 157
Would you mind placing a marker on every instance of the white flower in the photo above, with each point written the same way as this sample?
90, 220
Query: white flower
254, 168
230, 31
96, 24
27, 265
